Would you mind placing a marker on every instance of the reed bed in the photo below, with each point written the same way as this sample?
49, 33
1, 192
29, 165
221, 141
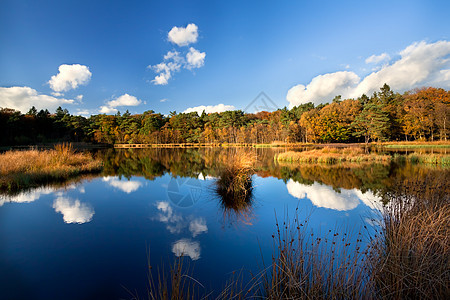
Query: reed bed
328, 155
306, 266
25, 169
433, 159
410, 259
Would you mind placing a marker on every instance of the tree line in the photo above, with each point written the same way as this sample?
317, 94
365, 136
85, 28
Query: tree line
421, 114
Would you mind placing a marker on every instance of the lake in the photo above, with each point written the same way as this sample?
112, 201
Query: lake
94, 237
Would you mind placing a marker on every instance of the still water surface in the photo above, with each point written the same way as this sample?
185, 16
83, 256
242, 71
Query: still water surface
93, 238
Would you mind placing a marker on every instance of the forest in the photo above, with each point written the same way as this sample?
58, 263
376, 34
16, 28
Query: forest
418, 115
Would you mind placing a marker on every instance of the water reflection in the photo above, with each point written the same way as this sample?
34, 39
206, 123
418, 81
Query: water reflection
325, 196
26, 197
176, 223
73, 210
187, 247
127, 186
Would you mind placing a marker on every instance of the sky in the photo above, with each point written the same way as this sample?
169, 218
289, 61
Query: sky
96, 57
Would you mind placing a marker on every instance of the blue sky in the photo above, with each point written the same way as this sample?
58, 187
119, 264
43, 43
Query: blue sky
294, 51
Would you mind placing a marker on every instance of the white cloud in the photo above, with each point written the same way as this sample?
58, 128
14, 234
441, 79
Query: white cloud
183, 36
73, 211
173, 61
187, 247
210, 108
79, 98
195, 59
375, 59
26, 197
23, 98
323, 88
166, 68
124, 100
164, 100
325, 196
127, 186
83, 112
198, 226
420, 64
107, 110
70, 77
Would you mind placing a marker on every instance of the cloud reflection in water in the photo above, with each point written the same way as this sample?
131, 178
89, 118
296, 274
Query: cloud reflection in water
127, 186
73, 211
324, 196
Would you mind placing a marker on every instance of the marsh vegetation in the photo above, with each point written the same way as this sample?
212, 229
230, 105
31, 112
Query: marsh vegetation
20, 170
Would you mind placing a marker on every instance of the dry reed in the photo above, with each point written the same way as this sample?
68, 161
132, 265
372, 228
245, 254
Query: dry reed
329, 155
24, 169
410, 259
234, 186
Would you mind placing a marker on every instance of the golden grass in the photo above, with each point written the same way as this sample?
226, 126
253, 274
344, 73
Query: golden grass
24, 169
430, 158
410, 259
308, 267
329, 155
235, 188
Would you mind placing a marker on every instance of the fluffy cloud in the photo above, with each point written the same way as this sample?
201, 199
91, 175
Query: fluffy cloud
420, 64
375, 59
183, 36
124, 100
165, 69
210, 108
23, 98
323, 88
127, 186
70, 77
324, 196
73, 211
107, 110
187, 247
173, 61
195, 59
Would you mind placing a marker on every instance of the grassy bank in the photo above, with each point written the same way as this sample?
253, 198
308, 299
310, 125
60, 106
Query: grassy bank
25, 169
329, 155
416, 145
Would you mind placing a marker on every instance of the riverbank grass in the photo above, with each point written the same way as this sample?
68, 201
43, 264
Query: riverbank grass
25, 169
329, 155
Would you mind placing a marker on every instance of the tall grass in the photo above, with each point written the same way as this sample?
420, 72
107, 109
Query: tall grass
180, 284
328, 155
309, 266
234, 186
433, 159
25, 169
410, 259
